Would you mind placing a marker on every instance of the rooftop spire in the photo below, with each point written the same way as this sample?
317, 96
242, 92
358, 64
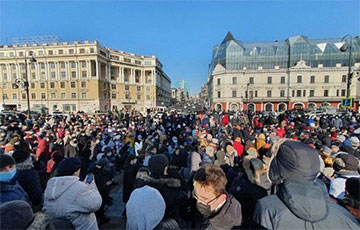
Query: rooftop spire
228, 37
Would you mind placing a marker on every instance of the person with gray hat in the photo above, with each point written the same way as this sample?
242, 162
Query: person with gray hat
67, 197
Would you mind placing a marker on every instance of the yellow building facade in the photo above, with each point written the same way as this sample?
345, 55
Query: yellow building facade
81, 76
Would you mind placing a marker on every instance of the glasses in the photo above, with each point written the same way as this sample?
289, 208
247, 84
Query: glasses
202, 201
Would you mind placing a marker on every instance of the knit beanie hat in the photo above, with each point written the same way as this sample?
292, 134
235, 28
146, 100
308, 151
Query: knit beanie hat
354, 141
69, 166
145, 208
20, 156
157, 164
5, 160
16, 214
345, 161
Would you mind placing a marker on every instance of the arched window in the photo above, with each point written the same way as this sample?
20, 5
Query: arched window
269, 107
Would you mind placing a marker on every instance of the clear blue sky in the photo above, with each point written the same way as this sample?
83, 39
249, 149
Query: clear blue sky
180, 33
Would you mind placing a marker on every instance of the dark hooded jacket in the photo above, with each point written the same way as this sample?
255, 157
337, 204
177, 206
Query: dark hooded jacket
301, 202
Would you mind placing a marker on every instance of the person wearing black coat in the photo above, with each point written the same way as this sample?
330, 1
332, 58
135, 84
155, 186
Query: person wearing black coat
130, 171
28, 177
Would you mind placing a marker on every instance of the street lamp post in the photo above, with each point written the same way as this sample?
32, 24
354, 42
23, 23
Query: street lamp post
344, 48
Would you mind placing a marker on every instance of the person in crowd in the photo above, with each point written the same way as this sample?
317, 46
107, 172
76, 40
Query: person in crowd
351, 199
10, 189
218, 209
28, 177
67, 197
301, 201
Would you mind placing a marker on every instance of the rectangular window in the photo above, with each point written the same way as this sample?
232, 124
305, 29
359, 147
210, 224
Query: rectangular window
52, 65
282, 93
61, 51
282, 80
113, 86
234, 80
92, 50
337, 92
82, 51
113, 96
293, 93
126, 78
326, 93
312, 93
73, 74
23, 96
14, 76
312, 79
299, 79
14, 86
13, 67
343, 78
33, 76
32, 66
21, 54
218, 94
62, 65
268, 93
73, 95
139, 96
234, 93
298, 93
343, 92
33, 96
52, 85
32, 85
5, 96
304, 93
50, 52
83, 84
71, 51
63, 75
326, 79
62, 84
53, 95
5, 77
138, 88
256, 93
40, 52
269, 80
63, 95
83, 95
43, 96
127, 87
84, 74
72, 84
43, 75
42, 65
14, 96
11, 54
137, 79
251, 80
53, 76
73, 64
148, 97
5, 85
127, 96
42, 85
218, 81
83, 64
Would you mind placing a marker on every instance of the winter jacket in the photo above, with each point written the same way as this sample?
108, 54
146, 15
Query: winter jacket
228, 217
129, 180
302, 205
42, 150
71, 151
12, 190
239, 148
337, 185
29, 180
67, 197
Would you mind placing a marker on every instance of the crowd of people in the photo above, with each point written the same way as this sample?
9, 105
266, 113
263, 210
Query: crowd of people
205, 170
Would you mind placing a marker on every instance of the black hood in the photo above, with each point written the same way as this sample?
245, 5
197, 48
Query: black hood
307, 201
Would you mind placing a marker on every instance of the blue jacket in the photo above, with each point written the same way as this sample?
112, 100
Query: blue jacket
11, 190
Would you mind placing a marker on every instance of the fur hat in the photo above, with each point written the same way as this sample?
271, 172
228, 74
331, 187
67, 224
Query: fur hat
16, 214
20, 156
157, 164
345, 161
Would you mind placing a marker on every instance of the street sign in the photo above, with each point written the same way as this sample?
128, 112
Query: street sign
347, 102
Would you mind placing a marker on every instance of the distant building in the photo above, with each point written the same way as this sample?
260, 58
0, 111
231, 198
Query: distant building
275, 76
82, 76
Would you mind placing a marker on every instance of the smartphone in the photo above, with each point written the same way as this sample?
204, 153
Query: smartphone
90, 178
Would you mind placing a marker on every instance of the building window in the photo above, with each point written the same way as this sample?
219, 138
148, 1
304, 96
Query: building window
21, 54
53, 76
137, 79
84, 74
312, 79
73, 74
299, 79
312, 93
32, 85
127, 87
73, 64
72, 84
14, 96
5, 77
52, 65
268, 93
83, 95
234, 80
40, 52
326, 93
83, 64
43, 96
63, 95
218, 94
62, 65
32, 66
11, 54
33, 96
304, 93
251, 80
73, 95
14, 86
282, 80
62, 84
53, 95
82, 51
92, 50
13, 67
148, 97
138, 88
139, 96
282, 93
343, 92
50, 52
33, 76
337, 92
14, 76
113, 86
127, 96
52, 85
42, 85
71, 51
234, 93
298, 93
23, 96
326, 79
113, 96
293, 93
63, 75
256, 93
147, 89
126, 78
269, 80
83, 84
343, 78
61, 51
218, 81
4, 85
42, 65
5, 96
43, 75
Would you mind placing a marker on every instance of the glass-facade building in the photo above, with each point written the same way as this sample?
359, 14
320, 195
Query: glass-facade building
234, 54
